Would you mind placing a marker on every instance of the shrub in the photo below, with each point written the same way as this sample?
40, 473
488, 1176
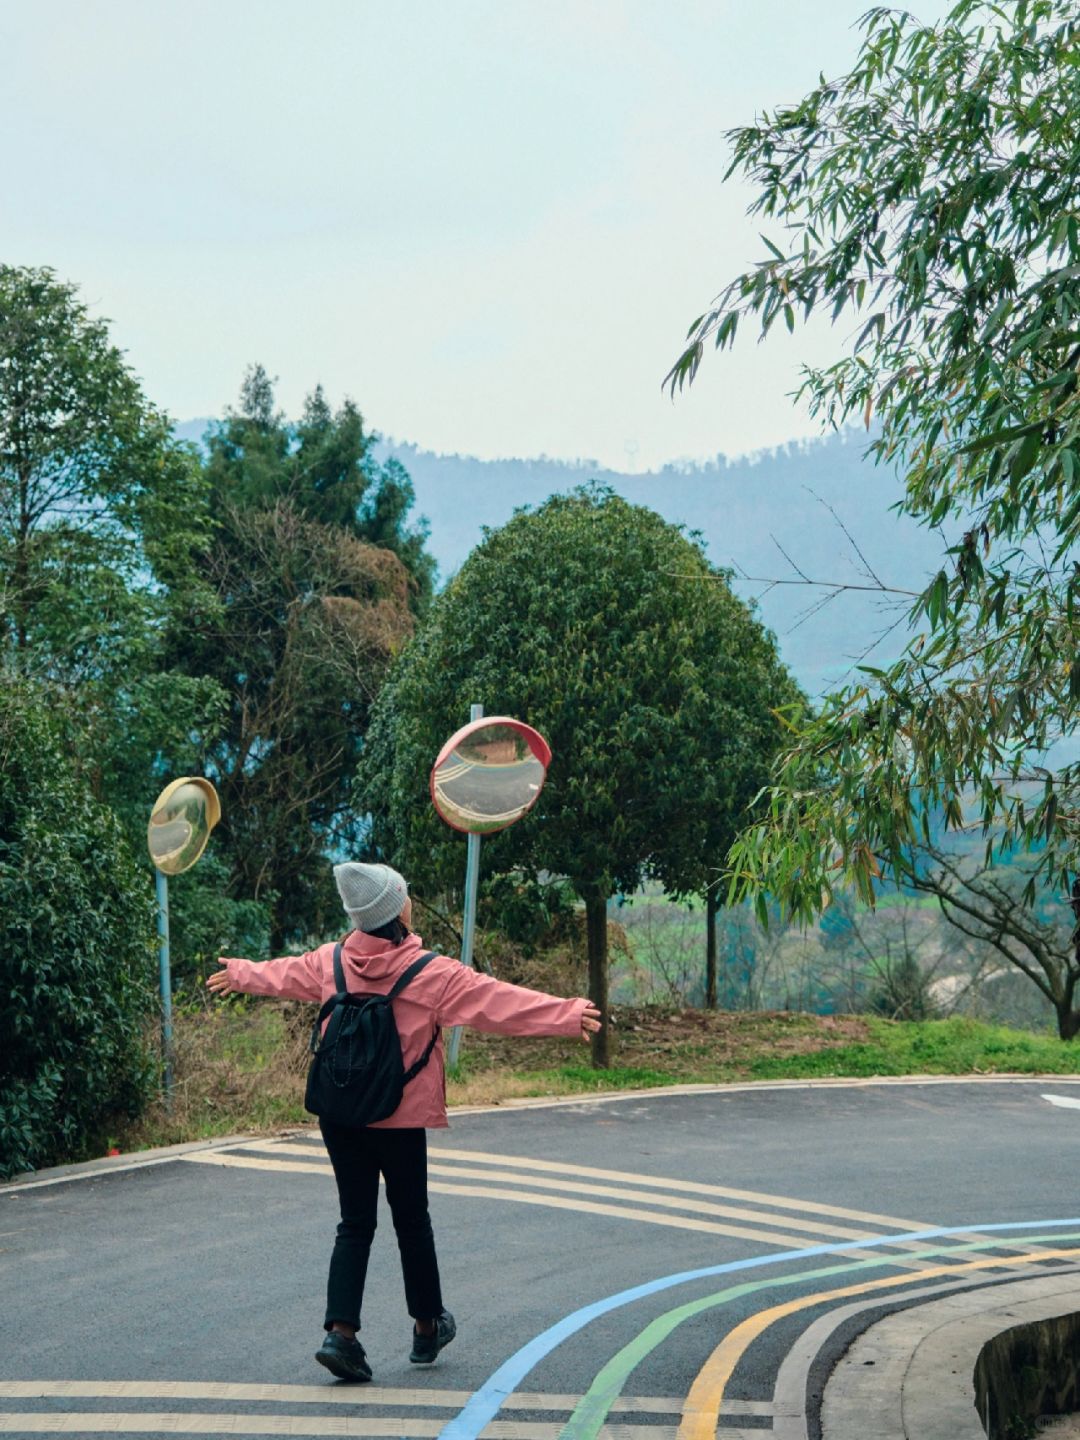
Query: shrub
904, 991
205, 921
76, 950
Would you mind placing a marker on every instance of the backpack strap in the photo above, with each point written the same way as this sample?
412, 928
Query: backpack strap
403, 980
339, 980
417, 1065
410, 974
339, 972
327, 1009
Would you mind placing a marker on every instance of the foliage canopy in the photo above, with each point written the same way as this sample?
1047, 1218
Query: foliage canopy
325, 466
606, 628
932, 197
310, 595
166, 609
93, 489
76, 950
305, 621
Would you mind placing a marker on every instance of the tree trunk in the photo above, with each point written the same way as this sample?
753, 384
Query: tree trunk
711, 907
596, 931
1069, 1019
277, 931
20, 580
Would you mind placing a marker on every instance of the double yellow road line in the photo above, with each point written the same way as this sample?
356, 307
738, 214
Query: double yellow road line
679, 1204
305, 1410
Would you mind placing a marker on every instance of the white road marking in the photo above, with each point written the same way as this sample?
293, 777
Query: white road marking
100, 1169
1065, 1101
789, 1395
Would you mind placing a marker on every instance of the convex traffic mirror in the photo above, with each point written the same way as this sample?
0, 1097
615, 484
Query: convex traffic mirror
489, 774
183, 815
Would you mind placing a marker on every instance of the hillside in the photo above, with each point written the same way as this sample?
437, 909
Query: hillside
746, 510
797, 498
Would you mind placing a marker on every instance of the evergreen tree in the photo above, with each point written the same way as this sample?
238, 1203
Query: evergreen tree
325, 467
313, 593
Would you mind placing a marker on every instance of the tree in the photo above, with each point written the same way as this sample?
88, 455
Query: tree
101, 512
740, 729
76, 949
305, 620
92, 485
605, 627
325, 466
985, 903
102, 517
313, 577
931, 195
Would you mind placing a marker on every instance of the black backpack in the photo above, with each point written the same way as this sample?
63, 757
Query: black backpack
357, 1075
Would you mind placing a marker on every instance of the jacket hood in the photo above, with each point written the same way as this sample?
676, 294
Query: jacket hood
368, 958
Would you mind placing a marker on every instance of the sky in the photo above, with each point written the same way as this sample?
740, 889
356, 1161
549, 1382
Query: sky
489, 222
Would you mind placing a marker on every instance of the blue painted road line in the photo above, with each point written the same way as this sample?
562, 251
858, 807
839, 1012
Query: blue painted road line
486, 1403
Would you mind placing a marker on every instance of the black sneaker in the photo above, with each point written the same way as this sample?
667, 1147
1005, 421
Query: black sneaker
343, 1357
426, 1347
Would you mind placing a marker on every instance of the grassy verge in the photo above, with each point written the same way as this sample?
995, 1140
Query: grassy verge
241, 1066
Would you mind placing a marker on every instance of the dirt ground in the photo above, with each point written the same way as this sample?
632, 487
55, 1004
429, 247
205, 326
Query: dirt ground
241, 1067
686, 1045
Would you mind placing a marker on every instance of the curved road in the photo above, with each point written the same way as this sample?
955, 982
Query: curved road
640, 1267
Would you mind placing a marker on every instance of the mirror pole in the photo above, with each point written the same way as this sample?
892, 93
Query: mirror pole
468, 929
161, 883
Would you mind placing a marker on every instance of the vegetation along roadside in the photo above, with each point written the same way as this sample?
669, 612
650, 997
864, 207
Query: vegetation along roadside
240, 1068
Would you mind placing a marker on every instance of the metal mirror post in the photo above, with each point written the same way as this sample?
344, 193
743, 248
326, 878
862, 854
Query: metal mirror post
485, 778
468, 924
180, 824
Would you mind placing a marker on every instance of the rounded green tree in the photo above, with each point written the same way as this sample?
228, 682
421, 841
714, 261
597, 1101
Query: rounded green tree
606, 628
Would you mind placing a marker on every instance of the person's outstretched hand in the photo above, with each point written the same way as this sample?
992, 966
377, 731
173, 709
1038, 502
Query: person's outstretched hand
590, 1021
219, 983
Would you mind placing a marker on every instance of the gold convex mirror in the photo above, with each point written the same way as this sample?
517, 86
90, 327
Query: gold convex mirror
180, 824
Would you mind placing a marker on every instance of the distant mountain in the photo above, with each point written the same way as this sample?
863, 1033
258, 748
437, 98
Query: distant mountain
745, 510
749, 511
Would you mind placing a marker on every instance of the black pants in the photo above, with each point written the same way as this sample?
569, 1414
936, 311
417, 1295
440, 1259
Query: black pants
358, 1156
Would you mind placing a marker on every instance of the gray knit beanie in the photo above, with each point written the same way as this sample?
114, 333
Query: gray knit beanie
373, 895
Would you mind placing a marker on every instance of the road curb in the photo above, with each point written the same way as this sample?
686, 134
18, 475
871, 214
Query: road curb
138, 1159
734, 1087
911, 1376
111, 1164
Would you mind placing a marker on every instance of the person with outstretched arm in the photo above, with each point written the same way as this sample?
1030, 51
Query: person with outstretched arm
373, 956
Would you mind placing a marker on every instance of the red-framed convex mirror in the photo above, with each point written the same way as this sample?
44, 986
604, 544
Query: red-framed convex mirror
489, 774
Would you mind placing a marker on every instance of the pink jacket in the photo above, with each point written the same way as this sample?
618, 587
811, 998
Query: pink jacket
444, 993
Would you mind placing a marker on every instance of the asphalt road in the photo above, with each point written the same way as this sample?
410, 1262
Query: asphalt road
186, 1297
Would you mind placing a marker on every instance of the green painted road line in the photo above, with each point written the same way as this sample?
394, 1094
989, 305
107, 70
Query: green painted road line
591, 1411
